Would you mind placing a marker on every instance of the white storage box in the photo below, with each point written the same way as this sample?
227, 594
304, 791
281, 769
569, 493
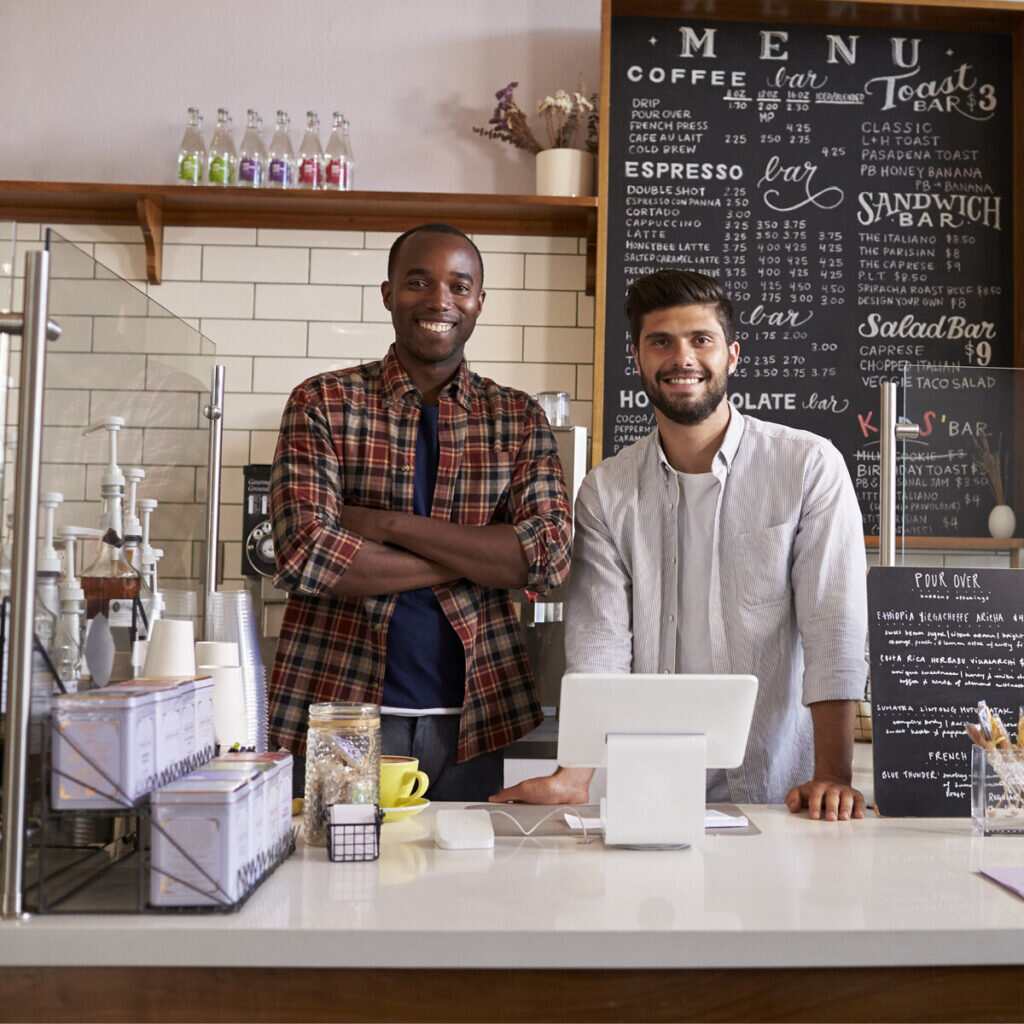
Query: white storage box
186, 691
279, 799
200, 842
175, 721
205, 736
216, 769
262, 793
115, 763
169, 733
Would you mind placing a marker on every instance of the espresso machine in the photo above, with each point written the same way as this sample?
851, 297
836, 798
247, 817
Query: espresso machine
258, 558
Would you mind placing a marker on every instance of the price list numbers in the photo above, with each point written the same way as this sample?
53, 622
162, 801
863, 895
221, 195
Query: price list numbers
737, 242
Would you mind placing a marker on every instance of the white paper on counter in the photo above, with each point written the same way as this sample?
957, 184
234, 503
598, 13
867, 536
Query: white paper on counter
712, 819
719, 819
1008, 878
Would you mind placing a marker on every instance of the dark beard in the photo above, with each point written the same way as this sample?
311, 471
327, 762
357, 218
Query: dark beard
692, 413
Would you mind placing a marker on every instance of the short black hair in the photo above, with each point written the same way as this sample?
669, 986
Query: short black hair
433, 229
674, 286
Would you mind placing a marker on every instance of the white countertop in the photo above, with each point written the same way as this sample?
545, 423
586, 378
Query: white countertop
886, 892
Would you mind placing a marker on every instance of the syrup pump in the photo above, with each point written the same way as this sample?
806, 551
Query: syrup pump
148, 558
7, 494
67, 651
134, 475
47, 603
48, 569
111, 583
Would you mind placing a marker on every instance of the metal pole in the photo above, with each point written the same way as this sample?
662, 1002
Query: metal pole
887, 477
890, 430
14, 325
214, 412
23, 577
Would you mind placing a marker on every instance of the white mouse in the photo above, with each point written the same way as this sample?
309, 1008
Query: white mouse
463, 830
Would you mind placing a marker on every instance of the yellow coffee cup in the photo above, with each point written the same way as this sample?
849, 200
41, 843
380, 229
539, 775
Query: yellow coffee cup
401, 780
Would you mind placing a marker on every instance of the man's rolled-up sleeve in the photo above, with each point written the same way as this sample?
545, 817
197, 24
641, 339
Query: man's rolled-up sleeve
598, 611
540, 505
829, 582
312, 550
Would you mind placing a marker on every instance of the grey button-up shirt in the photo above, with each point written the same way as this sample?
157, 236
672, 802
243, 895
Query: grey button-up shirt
788, 600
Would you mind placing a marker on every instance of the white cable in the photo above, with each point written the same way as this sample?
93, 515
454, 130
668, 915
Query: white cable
529, 832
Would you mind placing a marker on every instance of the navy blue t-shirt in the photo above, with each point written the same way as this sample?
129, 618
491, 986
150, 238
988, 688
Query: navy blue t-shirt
426, 665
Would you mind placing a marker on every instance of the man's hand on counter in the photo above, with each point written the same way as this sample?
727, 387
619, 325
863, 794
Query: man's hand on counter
830, 799
829, 795
569, 786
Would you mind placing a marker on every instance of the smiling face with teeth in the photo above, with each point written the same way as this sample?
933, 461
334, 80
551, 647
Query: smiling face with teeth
684, 360
434, 294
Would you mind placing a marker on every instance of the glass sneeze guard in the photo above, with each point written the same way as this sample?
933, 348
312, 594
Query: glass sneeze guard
957, 482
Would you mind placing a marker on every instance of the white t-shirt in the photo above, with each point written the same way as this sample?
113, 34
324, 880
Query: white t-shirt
698, 499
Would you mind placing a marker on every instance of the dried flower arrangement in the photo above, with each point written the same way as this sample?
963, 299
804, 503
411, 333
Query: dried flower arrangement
564, 114
993, 465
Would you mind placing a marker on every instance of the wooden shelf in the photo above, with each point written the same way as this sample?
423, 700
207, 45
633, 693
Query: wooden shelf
154, 207
1012, 544
955, 543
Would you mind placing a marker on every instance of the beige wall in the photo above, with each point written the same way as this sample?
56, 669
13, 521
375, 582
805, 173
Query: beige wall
96, 90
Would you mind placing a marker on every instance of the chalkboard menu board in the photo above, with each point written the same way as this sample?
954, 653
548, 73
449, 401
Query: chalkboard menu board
852, 191
961, 413
941, 640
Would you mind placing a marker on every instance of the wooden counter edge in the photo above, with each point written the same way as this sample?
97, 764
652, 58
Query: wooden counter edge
256, 995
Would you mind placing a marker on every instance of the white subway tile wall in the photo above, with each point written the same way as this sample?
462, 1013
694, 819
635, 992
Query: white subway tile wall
279, 306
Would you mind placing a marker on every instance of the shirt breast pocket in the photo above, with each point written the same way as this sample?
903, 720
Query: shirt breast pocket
482, 492
763, 564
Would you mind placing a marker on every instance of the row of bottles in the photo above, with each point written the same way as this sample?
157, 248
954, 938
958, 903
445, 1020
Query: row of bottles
255, 165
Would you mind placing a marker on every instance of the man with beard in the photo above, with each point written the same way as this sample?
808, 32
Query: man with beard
408, 496
718, 544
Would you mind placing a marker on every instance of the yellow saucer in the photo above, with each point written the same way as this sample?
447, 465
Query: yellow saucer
406, 809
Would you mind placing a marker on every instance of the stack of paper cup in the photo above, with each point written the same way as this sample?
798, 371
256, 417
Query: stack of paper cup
210, 653
233, 619
170, 651
219, 660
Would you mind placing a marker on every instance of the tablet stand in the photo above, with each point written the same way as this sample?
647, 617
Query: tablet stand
656, 790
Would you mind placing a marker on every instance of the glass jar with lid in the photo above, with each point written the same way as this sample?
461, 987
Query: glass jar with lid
342, 762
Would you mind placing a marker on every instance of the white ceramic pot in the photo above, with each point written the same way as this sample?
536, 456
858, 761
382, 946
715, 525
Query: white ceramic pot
1002, 522
565, 172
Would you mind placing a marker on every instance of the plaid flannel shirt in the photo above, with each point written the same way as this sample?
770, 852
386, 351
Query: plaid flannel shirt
350, 435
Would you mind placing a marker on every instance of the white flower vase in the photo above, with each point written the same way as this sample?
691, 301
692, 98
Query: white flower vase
565, 172
1002, 522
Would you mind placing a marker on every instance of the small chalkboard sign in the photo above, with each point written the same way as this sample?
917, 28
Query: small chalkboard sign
941, 640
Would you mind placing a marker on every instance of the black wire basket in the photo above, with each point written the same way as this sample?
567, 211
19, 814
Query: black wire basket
351, 843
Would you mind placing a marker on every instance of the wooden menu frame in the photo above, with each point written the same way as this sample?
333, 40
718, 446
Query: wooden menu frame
982, 16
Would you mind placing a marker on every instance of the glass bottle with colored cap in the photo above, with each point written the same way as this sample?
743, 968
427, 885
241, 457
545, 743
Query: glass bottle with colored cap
222, 165
192, 151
